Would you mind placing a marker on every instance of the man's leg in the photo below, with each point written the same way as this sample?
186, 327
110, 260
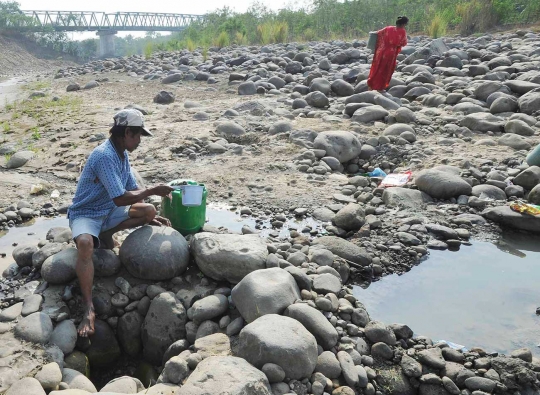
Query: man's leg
85, 273
139, 214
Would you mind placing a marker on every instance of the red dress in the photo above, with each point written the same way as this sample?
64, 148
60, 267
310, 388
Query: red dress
389, 43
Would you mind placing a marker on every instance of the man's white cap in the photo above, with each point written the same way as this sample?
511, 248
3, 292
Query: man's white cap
131, 117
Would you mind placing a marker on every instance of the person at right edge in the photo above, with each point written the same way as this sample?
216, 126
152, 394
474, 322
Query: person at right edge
390, 40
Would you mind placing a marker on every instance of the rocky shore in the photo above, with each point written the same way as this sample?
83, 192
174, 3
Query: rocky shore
226, 313
279, 132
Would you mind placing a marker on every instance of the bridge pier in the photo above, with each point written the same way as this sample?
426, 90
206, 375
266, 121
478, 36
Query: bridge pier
106, 43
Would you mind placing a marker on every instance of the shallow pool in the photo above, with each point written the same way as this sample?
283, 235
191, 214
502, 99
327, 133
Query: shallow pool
28, 233
482, 295
221, 216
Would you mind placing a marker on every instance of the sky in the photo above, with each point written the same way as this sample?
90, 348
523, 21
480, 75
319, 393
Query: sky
180, 7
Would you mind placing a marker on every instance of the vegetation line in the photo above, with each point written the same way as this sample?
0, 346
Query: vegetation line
319, 20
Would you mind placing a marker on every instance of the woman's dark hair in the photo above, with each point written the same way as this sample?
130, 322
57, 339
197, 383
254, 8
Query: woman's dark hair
120, 130
402, 21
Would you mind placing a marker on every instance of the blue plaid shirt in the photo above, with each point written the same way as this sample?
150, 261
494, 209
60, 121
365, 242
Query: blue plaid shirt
105, 176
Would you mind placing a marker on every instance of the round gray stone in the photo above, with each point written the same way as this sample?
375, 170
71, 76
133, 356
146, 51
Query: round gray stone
35, 328
268, 291
155, 253
328, 365
23, 255
281, 340
64, 336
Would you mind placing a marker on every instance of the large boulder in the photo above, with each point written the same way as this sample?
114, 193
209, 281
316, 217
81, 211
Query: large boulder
530, 102
485, 89
377, 331
504, 104
228, 257
23, 255
528, 178
323, 214
342, 88
341, 145
123, 385
432, 357
247, 88
328, 365
155, 253
49, 376
490, 191
208, 308
406, 198
326, 283
35, 328
65, 336
281, 340
482, 122
293, 67
268, 291
514, 141
26, 386
230, 129
320, 85
442, 185
534, 195
518, 126
164, 324
369, 114
226, 375
350, 217
280, 127
60, 268
317, 99
505, 216
344, 249
45, 252
315, 322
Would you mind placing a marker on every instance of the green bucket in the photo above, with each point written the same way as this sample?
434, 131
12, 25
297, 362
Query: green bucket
185, 219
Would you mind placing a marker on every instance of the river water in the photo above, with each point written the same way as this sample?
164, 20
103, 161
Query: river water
482, 295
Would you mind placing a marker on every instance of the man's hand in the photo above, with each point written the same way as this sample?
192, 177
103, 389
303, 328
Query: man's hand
161, 190
159, 221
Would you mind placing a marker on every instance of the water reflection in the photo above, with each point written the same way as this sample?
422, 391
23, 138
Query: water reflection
219, 215
484, 295
28, 233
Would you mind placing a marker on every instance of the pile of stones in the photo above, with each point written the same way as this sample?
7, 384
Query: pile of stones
228, 313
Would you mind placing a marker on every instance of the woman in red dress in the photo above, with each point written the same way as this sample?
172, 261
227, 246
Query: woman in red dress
389, 43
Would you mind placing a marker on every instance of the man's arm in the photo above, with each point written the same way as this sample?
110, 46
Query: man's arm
132, 197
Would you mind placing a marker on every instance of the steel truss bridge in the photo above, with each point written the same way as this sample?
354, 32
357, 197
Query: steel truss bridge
80, 21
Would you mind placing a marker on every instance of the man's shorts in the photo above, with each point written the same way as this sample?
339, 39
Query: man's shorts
95, 226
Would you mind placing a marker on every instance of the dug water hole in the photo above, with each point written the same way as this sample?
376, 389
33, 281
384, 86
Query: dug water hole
480, 296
